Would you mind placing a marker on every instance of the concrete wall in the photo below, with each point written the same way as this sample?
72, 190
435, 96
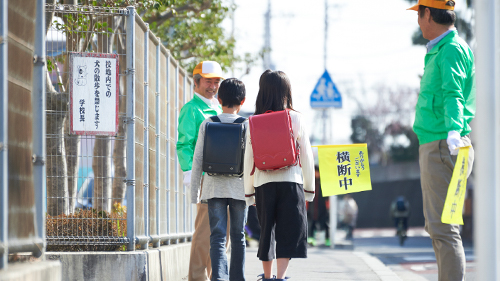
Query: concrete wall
389, 182
32, 271
165, 263
395, 172
374, 205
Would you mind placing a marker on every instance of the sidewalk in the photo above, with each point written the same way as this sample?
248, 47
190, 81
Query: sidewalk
323, 263
326, 264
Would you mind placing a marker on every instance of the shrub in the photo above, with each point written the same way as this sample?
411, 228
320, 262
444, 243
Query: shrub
87, 230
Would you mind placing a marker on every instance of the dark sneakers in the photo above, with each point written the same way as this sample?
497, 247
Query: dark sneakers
271, 279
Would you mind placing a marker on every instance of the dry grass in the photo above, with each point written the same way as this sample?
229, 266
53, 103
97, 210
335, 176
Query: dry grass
83, 224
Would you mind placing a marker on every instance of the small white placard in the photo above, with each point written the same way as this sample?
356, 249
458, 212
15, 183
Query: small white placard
94, 93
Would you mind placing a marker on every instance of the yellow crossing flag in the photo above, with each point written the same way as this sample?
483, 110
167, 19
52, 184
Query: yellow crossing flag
343, 168
452, 211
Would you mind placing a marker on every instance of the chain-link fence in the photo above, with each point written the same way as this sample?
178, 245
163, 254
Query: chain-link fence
105, 191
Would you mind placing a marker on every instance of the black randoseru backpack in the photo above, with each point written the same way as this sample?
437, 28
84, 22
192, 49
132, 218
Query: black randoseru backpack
224, 147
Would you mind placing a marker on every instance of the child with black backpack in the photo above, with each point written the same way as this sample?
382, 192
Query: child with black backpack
223, 188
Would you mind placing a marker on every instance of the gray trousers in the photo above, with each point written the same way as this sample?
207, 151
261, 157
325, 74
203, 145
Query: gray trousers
436, 169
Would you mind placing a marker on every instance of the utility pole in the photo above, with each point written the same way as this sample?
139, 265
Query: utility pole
326, 111
233, 8
326, 120
326, 33
486, 191
267, 38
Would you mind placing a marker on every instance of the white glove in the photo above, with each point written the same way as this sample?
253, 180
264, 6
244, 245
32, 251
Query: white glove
454, 142
187, 178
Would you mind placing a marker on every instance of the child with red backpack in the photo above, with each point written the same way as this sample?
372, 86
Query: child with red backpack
279, 194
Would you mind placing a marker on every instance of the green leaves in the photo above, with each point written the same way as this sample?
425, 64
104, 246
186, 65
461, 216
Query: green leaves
191, 29
103, 27
50, 66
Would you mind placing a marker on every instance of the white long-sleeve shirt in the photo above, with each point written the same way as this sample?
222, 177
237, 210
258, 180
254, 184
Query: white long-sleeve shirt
302, 175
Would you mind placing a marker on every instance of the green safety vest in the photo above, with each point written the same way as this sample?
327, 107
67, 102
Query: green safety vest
192, 114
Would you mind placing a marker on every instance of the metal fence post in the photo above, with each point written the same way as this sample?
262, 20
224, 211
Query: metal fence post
39, 126
176, 175
4, 250
146, 137
130, 128
158, 132
169, 136
193, 206
184, 189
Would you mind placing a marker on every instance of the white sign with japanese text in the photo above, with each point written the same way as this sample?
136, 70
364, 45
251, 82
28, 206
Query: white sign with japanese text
94, 93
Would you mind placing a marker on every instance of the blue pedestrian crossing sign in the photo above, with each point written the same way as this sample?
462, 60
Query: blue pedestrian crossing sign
326, 94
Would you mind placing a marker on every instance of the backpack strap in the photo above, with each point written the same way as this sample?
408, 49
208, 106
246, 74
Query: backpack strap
298, 153
297, 146
240, 120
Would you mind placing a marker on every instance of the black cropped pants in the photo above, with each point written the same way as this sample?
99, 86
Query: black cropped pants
281, 210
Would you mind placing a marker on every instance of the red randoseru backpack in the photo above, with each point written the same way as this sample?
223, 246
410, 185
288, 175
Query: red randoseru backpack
273, 144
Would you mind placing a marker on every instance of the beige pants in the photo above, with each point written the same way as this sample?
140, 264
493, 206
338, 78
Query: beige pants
200, 267
436, 168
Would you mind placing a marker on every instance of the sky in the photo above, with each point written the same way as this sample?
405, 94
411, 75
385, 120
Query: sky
369, 44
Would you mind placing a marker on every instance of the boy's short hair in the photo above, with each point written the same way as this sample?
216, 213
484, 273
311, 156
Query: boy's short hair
232, 92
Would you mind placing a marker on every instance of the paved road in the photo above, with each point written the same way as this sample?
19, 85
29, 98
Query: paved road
415, 261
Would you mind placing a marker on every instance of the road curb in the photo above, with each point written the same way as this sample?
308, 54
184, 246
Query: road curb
343, 245
382, 271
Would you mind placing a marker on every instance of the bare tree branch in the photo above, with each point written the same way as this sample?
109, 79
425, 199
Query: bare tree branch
189, 45
187, 57
89, 36
49, 16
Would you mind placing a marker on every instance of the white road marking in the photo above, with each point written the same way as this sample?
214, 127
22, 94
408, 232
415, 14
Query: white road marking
388, 232
420, 258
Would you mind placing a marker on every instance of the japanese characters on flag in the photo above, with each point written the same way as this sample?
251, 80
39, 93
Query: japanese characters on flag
93, 94
343, 169
452, 211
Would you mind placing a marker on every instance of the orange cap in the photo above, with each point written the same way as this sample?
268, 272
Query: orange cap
438, 4
208, 69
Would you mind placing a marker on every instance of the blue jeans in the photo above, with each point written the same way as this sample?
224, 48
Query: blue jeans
217, 215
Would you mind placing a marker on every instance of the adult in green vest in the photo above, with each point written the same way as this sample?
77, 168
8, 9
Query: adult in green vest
206, 76
445, 107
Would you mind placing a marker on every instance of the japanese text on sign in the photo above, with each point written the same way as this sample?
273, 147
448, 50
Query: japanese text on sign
97, 78
359, 163
342, 169
452, 211
82, 110
94, 93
